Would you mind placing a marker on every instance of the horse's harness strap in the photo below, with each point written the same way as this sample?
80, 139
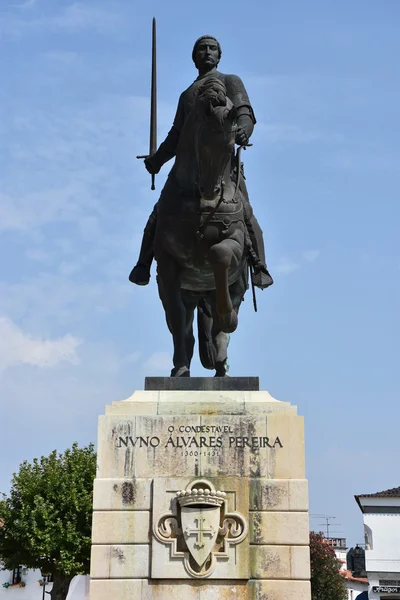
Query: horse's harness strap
238, 170
207, 220
201, 229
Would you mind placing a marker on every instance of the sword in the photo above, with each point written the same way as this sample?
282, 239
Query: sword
153, 104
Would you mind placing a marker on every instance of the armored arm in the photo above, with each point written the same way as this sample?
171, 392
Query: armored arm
167, 149
245, 115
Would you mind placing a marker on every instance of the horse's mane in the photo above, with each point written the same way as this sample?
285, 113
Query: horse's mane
212, 96
212, 92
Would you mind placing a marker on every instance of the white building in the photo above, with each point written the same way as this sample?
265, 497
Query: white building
381, 513
32, 589
340, 547
355, 585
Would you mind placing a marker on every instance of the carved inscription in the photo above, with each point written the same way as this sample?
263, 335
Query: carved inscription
194, 440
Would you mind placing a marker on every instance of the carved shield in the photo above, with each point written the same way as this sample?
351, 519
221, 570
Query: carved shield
200, 526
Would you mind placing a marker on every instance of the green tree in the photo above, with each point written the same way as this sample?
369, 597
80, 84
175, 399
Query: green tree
327, 583
47, 516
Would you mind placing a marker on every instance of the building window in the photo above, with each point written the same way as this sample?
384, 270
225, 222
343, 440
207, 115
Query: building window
16, 575
369, 543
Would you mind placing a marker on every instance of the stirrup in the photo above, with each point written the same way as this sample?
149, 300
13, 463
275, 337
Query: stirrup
261, 277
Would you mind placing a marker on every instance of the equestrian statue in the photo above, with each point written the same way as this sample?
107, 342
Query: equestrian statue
202, 231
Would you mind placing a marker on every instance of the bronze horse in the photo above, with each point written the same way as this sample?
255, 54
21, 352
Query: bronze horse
201, 241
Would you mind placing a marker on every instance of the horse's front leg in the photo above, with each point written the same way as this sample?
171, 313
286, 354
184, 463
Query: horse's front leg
221, 256
169, 285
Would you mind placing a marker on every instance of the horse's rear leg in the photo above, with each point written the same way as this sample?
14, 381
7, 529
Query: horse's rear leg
220, 258
220, 339
221, 342
170, 293
189, 337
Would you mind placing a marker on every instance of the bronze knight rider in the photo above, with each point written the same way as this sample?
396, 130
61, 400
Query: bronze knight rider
206, 56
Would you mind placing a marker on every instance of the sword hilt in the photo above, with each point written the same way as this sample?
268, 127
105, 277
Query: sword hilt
153, 177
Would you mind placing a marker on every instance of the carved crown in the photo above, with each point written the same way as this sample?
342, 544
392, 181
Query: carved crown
200, 496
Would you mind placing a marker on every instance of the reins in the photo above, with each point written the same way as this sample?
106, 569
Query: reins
239, 173
238, 169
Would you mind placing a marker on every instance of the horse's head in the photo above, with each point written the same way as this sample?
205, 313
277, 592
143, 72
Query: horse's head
215, 136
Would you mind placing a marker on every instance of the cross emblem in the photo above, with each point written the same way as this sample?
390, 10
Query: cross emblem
199, 531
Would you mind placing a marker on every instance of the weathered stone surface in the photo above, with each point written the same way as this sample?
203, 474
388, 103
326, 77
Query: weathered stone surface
124, 561
100, 562
121, 527
122, 494
139, 447
210, 445
170, 590
129, 561
138, 405
157, 442
224, 591
204, 384
197, 402
279, 494
116, 589
142, 589
280, 562
290, 463
279, 590
227, 590
281, 528
110, 462
247, 450
166, 458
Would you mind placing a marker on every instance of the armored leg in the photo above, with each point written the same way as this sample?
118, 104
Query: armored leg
140, 273
261, 277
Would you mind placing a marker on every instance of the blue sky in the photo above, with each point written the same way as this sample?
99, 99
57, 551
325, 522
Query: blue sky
323, 177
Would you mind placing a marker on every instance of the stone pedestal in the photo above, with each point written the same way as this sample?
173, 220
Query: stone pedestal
200, 495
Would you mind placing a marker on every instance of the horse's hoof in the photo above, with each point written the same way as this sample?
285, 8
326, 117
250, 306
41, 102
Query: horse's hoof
180, 372
222, 368
229, 322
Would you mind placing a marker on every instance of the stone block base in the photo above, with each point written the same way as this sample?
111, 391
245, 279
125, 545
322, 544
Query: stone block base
201, 494
144, 589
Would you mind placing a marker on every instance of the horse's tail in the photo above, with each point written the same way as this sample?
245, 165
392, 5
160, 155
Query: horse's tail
207, 349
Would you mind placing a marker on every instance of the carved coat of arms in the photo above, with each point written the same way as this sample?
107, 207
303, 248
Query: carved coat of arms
200, 529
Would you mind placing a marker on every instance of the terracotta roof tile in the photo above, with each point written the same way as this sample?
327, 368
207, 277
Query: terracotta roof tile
392, 493
349, 576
